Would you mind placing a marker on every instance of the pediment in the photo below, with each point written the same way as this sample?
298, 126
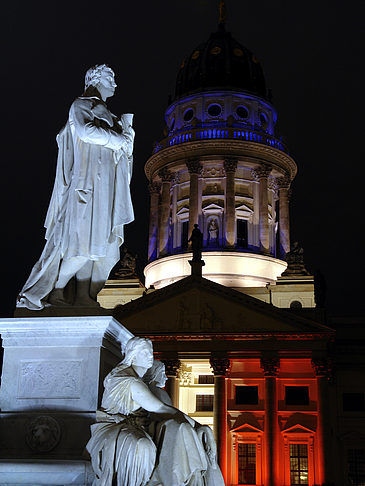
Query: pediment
243, 207
183, 211
246, 422
197, 305
301, 420
212, 207
298, 429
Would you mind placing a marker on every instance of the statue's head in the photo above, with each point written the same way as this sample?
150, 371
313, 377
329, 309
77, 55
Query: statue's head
138, 351
101, 77
156, 374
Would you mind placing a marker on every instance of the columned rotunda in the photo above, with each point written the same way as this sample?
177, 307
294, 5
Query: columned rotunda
221, 165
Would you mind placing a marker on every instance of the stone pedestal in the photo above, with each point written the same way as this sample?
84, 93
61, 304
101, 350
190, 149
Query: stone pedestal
51, 385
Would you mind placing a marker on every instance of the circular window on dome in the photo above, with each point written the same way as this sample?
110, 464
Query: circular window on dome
195, 55
216, 50
188, 115
214, 110
238, 52
242, 112
263, 120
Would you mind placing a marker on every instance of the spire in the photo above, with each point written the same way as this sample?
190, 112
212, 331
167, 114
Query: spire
222, 13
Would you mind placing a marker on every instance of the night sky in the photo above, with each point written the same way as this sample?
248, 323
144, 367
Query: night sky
311, 52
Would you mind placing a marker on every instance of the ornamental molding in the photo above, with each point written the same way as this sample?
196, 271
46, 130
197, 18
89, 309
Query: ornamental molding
222, 149
213, 172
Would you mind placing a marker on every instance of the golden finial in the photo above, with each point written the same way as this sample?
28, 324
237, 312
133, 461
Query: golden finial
222, 12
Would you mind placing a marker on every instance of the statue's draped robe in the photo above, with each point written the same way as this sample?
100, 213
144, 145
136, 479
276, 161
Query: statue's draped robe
121, 446
91, 199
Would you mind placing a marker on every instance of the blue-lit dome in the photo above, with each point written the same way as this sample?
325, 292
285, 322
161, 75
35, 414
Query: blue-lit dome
220, 62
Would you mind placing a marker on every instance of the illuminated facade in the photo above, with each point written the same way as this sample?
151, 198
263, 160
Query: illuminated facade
244, 349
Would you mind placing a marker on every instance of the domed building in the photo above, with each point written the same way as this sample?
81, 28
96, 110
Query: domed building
222, 166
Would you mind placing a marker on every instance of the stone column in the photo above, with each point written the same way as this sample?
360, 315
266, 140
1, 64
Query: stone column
166, 177
322, 369
195, 168
270, 367
230, 166
154, 188
174, 183
220, 367
261, 174
171, 368
283, 184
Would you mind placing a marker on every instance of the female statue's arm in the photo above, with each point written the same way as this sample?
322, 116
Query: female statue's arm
147, 400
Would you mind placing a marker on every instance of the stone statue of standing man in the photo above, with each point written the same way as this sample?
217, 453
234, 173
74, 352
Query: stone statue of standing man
90, 203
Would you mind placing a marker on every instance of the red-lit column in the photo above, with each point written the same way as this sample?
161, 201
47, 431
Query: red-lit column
220, 368
322, 369
283, 184
171, 369
270, 367
166, 177
154, 188
230, 166
261, 174
195, 168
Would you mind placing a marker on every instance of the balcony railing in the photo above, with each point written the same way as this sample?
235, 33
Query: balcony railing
227, 133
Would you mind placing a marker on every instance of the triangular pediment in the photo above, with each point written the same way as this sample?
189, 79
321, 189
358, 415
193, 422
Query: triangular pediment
197, 305
245, 428
298, 429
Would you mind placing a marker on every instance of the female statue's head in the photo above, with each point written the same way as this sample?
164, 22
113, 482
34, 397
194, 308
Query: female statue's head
101, 78
138, 351
156, 374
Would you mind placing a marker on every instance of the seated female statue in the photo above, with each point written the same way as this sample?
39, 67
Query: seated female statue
121, 449
156, 378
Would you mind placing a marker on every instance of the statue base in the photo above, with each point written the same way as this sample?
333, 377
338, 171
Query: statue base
197, 267
52, 384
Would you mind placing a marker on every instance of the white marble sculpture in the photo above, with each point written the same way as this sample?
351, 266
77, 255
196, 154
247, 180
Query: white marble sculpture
139, 439
90, 202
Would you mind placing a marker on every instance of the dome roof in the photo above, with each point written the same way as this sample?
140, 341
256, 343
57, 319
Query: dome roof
220, 62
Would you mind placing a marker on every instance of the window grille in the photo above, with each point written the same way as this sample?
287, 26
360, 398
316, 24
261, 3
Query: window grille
246, 463
298, 464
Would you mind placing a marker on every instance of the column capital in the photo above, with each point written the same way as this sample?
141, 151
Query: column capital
220, 366
263, 171
322, 367
165, 174
270, 366
154, 187
230, 165
283, 182
194, 166
171, 366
